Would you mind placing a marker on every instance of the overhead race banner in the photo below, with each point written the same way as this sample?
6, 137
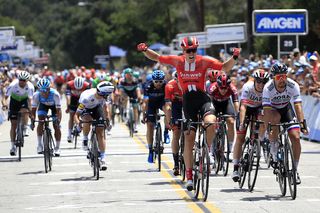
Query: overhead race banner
7, 36
226, 33
277, 22
201, 36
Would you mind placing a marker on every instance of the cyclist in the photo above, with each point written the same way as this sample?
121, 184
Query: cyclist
20, 92
191, 70
154, 94
59, 81
44, 99
277, 108
74, 89
212, 77
93, 105
102, 77
250, 105
129, 87
220, 92
173, 110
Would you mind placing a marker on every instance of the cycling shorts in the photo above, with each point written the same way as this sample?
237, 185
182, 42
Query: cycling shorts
15, 107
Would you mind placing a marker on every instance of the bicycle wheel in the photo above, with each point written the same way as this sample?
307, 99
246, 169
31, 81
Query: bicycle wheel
291, 171
75, 138
205, 171
196, 172
243, 166
51, 147
281, 173
182, 166
158, 146
225, 153
19, 141
254, 160
216, 154
95, 155
46, 151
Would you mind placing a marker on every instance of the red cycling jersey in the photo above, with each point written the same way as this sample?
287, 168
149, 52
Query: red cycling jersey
191, 76
217, 96
172, 92
71, 90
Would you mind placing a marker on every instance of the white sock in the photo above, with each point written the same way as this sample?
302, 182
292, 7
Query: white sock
39, 140
296, 163
274, 149
57, 144
230, 146
12, 145
69, 132
85, 137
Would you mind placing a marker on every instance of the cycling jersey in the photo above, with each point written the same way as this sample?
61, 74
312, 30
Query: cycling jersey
272, 97
250, 96
59, 80
52, 100
217, 96
71, 90
19, 94
191, 76
172, 92
128, 87
88, 100
153, 94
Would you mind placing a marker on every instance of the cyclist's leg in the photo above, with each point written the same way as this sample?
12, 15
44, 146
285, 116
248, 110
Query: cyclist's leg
72, 109
273, 116
14, 108
25, 116
42, 113
237, 149
85, 116
176, 114
208, 114
57, 129
151, 120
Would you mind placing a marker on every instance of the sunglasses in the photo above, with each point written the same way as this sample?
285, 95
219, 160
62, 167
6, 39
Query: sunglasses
22, 80
280, 76
43, 90
223, 88
191, 50
259, 81
158, 82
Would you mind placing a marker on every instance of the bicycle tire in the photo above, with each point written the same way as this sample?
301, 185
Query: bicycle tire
216, 154
182, 165
46, 151
95, 155
243, 164
196, 173
75, 138
19, 142
51, 146
291, 171
281, 174
205, 170
131, 121
158, 146
226, 153
254, 160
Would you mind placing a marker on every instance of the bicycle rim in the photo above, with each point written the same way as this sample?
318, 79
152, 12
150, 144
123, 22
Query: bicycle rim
51, 145
75, 139
216, 156
181, 159
196, 173
281, 175
158, 147
226, 153
96, 166
254, 160
205, 162
291, 171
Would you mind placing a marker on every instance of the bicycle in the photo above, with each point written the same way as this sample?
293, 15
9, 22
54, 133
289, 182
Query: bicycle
75, 135
115, 112
251, 154
93, 151
182, 165
158, 142
221, 151
201, 161
285, 169
131, 117
48, 142
19, 140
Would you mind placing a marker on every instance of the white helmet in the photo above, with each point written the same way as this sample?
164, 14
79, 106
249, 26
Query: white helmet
24, 75
78, 82
261, 74
105, 88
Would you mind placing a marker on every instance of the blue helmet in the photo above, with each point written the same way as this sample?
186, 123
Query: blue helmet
279, 69
43, 84
158, 75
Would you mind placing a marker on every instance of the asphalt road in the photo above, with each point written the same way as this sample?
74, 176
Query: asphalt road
130, 184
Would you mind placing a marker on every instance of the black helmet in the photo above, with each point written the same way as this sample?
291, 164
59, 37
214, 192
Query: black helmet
279, 69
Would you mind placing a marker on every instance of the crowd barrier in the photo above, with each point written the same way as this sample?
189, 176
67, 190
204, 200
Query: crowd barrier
311, 109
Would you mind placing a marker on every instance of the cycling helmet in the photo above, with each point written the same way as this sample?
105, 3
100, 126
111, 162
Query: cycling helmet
102, 76
149, 77
279, 69
261, 74
128, 71
105, 88
158, 75
189, 42
175, 75
78, 82
136, 74
43, 84
223, 81
213, 75
24, 75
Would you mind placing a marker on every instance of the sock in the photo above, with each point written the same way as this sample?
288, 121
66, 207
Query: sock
39, 140
296, 163
274, 149
57, 144
85, 137
69, 132
189, 174
102, 155
176, 159
230, 146
150, 147
236, 162
12, 144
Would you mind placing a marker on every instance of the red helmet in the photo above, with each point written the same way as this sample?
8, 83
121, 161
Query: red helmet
213, 75
189, 42
223, 81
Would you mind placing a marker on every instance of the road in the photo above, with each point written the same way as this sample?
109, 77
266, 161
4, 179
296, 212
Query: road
130, 184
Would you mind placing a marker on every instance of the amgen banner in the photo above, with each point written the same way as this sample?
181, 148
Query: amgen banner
276, 22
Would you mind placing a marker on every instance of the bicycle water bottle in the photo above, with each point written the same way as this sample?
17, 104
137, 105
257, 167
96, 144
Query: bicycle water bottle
166, 136
279, 155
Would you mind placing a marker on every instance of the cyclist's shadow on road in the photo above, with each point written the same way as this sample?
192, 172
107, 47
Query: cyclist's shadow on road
91, 178
266, 197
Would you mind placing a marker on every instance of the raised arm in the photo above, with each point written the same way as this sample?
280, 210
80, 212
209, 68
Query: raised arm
227, 66
152, 55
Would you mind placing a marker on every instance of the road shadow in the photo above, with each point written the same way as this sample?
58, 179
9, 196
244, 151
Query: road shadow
233, 190
311, 152
91, 178
143, 170
32, 173
8, 160
266, 198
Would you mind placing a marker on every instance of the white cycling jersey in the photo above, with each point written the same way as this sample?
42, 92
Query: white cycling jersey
250, 96
17, 93
272, 97
89, 101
